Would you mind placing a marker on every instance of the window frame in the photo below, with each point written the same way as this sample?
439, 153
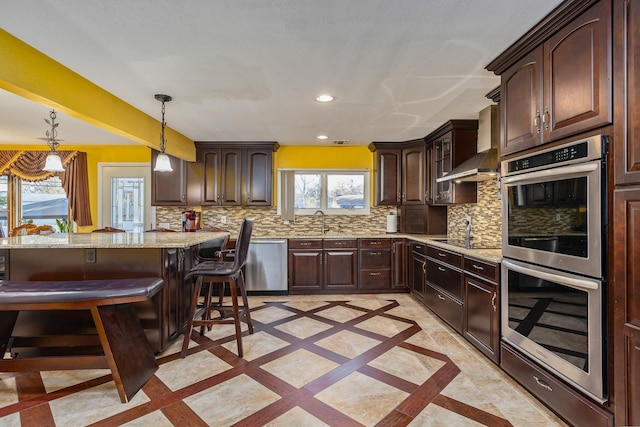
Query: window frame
324, 172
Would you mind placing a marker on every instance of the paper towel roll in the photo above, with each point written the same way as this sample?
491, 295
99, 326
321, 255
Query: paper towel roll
392, 223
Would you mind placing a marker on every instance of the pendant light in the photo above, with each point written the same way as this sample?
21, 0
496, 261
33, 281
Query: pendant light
53, 163
163, 164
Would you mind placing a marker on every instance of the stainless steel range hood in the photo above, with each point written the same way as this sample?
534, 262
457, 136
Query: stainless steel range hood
484, 165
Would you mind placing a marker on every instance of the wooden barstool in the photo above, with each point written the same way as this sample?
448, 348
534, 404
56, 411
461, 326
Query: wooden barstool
210, 273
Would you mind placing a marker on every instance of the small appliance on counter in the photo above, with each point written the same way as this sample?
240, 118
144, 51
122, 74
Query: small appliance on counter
190, 220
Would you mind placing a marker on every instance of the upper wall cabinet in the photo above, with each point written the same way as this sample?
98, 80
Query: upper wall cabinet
560, 86
224, 174
451, 145
401, 172
236, 174
175, 188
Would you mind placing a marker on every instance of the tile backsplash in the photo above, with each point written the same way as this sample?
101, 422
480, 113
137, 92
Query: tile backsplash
485, 214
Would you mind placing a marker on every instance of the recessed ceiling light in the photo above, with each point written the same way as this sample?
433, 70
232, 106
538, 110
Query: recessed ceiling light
322, 137
325, 97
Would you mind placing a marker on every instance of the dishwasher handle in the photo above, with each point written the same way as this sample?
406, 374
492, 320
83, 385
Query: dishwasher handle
263, 242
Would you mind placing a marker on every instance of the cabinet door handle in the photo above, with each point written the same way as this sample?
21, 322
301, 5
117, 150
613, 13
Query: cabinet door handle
375, 243
536, 121
545, 118
477, 267
493, 301
424, 267
375, 274
375, 253
542, 383
305, 244
441, 254
441, 297
441, 269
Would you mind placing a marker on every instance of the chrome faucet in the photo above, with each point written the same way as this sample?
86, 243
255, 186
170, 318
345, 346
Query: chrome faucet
323, 229
467, 234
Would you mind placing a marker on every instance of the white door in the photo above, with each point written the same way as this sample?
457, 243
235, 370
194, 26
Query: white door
124, 191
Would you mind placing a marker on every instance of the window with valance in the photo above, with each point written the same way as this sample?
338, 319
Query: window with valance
27, 165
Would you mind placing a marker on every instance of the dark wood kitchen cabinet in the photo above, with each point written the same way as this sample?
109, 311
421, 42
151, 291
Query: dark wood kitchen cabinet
398, 264
481, 325
236, 174
624, 265
176, 188
559, 88
401, 172
417, 269
444, 285
452, 143
323, 265
375, 264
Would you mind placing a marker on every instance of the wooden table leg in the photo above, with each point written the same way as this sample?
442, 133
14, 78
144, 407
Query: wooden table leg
125, 345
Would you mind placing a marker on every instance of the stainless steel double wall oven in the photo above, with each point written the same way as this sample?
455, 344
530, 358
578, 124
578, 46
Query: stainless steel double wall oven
554, 268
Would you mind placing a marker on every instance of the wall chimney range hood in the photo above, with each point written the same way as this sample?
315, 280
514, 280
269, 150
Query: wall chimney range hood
484, 165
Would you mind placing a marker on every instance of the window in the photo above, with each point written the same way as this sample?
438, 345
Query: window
38, 202
43, 202
336, 192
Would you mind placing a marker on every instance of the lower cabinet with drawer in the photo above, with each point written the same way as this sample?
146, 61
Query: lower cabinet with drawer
443, 293
482, 306
567, 403
375, 264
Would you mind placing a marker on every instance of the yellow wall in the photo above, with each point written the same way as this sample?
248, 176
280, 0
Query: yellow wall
95, 155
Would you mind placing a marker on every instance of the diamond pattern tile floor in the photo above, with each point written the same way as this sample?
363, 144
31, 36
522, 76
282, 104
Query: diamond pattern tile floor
348, 360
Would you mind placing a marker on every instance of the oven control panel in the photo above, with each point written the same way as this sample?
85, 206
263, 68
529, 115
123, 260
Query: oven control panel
574, 152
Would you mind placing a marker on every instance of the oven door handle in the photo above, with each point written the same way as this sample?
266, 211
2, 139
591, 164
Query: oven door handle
564, 170
571, 281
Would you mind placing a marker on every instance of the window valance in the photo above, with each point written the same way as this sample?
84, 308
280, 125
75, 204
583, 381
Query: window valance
27, 165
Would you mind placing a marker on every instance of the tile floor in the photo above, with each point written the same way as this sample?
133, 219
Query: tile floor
347, 360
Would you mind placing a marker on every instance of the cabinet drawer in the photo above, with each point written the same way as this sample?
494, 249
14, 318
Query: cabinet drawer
375, 279
443, 255
375, 243
485, 269
340, 243
445, 307
569, 404
375, 258
305, 243
445, 277
420, 248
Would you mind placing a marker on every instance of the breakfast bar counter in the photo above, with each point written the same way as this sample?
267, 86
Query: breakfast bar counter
94, 256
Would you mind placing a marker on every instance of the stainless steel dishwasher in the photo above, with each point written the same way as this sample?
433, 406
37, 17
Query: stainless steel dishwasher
266, 268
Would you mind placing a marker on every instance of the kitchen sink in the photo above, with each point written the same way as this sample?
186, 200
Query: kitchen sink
473, 244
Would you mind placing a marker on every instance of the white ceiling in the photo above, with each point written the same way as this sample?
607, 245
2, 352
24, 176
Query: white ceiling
249, 69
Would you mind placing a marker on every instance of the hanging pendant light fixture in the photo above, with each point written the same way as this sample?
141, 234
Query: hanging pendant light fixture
163, 164
53, 163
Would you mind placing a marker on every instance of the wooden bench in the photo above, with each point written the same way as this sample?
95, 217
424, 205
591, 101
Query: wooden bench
125, 349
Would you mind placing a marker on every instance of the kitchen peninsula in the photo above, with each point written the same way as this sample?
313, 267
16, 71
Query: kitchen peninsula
62, 256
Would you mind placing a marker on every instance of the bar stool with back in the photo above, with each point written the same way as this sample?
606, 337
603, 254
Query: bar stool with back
209, 273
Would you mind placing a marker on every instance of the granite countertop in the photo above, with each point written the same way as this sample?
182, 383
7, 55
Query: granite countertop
491, 255
108, 240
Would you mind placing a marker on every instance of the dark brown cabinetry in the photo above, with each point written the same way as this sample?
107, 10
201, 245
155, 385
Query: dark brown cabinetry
236, 174
398, 264
170, 188
560, 88
624, 265
400, 172
481, 306
375, 264
417, 269
452, 144
443, 293
317, 265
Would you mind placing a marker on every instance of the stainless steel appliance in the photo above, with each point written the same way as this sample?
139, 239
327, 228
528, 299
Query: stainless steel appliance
554, 268
266, 268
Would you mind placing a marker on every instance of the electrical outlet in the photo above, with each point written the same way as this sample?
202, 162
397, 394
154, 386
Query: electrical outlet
90, 256
223, 219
